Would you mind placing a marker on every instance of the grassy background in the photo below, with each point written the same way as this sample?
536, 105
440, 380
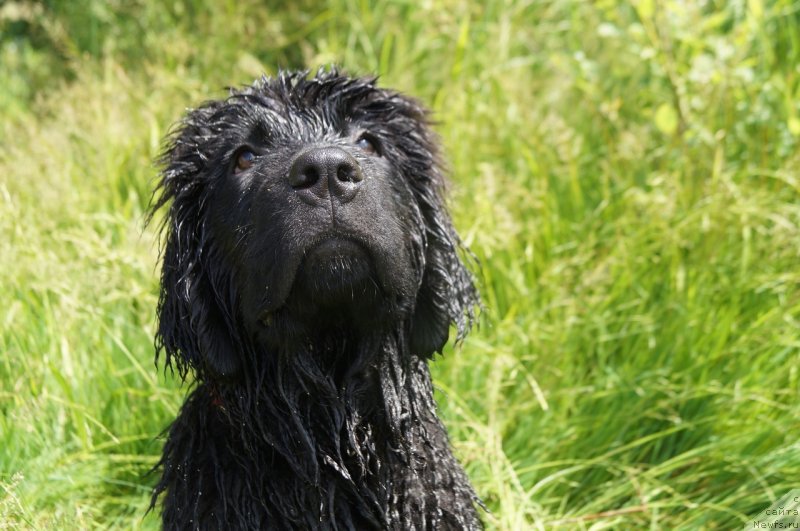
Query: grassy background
627, 173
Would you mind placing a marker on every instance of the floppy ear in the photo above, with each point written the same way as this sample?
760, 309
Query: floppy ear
195, 326
447, 294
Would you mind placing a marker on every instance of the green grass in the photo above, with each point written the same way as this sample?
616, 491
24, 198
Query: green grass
627, 174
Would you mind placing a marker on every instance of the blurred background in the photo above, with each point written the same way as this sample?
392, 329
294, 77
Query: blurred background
625, 171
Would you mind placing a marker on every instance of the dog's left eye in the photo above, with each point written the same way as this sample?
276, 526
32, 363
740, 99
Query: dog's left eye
368, 145
244, 160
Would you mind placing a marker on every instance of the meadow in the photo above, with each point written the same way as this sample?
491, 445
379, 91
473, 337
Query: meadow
626, 173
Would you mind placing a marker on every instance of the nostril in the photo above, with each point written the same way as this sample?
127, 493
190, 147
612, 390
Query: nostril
305, 178
310, 176
349, 173
344, 173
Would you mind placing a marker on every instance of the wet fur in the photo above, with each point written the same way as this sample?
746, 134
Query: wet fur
309, 409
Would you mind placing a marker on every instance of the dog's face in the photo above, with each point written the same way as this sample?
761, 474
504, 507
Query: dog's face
300, 205
310, 210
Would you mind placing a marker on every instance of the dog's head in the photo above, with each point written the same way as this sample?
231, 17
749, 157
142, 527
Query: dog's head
299, 205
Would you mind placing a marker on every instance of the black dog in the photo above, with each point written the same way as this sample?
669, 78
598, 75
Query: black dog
310, 272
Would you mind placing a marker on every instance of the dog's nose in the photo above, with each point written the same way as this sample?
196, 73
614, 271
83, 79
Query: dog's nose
326, 171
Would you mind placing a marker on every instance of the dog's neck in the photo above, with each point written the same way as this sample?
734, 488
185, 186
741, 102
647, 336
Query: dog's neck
362, 446
325, 398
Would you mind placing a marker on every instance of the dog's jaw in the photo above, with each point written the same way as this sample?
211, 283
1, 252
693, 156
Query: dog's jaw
336, 272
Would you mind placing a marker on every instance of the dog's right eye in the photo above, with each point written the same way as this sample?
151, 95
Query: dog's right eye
368, 144
244, 160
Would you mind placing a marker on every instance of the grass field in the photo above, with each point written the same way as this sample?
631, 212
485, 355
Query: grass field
628, 174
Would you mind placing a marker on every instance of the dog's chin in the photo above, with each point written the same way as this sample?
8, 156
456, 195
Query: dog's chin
336, 276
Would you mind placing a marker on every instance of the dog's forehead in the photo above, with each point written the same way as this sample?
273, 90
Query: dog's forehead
278, 119
296, 107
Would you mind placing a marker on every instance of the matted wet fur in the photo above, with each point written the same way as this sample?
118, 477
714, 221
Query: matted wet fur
310, 271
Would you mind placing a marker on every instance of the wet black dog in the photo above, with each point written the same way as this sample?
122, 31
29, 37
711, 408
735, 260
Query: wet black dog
310, 272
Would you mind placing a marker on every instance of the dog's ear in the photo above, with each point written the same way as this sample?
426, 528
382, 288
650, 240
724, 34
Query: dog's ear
195, 325
447, 294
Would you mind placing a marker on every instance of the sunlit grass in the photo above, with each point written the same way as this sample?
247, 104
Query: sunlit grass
626, 173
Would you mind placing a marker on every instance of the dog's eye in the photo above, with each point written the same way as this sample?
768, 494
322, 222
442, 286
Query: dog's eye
368, 145
244, 160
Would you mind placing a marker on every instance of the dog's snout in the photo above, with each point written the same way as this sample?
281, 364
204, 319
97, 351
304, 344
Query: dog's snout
320, 172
